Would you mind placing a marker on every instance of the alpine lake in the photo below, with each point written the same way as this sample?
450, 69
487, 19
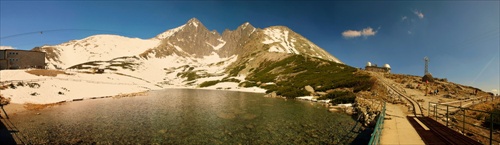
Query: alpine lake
187, 116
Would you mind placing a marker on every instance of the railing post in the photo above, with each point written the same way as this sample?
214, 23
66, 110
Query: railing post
435, 112
491, 128
447, 115
428, 109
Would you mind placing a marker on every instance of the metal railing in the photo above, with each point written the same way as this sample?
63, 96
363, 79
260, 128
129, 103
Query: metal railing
377, 131
467, 121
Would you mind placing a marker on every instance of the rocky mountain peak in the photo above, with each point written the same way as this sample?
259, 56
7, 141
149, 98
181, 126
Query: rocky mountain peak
195, 23
246, 26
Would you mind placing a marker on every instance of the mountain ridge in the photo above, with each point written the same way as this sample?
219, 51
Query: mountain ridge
187, 55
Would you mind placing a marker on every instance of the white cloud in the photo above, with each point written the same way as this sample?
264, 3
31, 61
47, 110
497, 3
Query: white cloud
404, 18
351, 33
354, 33
6, 47
494, 91
409, 32
419, 14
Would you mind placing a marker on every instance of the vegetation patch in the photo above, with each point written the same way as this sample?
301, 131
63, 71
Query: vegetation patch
112, 63
297, 71
234, 72
46, 72
190, 75
226, 79
214, 82
248, 84
209, 83
340, 97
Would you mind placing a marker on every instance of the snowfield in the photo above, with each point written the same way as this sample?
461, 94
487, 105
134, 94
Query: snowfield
152, 74
100, 48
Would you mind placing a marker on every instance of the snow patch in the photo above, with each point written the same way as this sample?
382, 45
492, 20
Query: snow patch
219, 46
268, 41
275, 49
195, 24
169, 33
178, 48
277, 35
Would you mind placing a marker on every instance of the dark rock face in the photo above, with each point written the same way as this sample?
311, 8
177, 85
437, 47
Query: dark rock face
194, 40
427, 77
235, 40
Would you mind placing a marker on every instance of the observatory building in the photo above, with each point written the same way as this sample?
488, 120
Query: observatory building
373, 67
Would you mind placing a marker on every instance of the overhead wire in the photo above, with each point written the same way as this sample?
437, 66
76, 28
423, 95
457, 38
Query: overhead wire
55, 30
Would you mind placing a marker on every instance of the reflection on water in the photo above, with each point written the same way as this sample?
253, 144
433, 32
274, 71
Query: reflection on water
186, 116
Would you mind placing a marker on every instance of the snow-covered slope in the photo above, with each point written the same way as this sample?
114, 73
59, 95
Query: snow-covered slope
97, 48
283, 40
186, 56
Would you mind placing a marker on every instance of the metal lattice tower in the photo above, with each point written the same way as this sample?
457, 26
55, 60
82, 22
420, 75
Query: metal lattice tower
426, 59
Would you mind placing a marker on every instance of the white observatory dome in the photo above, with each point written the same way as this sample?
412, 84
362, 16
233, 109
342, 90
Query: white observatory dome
387, 66
368, 64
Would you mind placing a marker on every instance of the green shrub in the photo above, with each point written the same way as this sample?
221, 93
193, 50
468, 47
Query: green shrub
230, 80
236, 70
209, 83
12, 86
338, 97
190, 75
247, 84
344, 99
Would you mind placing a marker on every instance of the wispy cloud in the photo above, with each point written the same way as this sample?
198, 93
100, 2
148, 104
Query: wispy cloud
404, 18
419, 14
357, 33
6, 47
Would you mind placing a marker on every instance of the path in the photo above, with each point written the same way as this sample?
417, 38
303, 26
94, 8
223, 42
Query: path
397, 129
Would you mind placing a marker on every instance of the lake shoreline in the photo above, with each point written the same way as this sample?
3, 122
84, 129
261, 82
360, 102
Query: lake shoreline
257, 117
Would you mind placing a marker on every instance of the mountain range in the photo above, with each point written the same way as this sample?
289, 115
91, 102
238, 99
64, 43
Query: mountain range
185, 54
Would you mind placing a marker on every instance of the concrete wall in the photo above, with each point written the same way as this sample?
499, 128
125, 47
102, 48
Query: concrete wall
2, 54
3, 64
20, 59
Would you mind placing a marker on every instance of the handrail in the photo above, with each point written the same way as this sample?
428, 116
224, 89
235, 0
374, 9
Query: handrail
461, 122
377, 131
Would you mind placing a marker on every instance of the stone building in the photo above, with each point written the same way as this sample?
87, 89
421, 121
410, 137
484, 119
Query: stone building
21, 59
373, 67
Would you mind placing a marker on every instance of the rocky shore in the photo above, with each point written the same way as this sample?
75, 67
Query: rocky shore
367, 111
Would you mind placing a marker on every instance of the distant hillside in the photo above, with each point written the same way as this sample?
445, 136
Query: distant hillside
192, 56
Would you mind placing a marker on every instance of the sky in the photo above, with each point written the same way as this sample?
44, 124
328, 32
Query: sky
461, 38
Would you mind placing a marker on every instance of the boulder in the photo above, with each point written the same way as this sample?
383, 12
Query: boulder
273, 95
309, 89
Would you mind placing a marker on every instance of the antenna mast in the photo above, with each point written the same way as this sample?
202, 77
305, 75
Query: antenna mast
426, 59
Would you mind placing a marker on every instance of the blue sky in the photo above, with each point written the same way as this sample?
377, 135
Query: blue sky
461, 38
